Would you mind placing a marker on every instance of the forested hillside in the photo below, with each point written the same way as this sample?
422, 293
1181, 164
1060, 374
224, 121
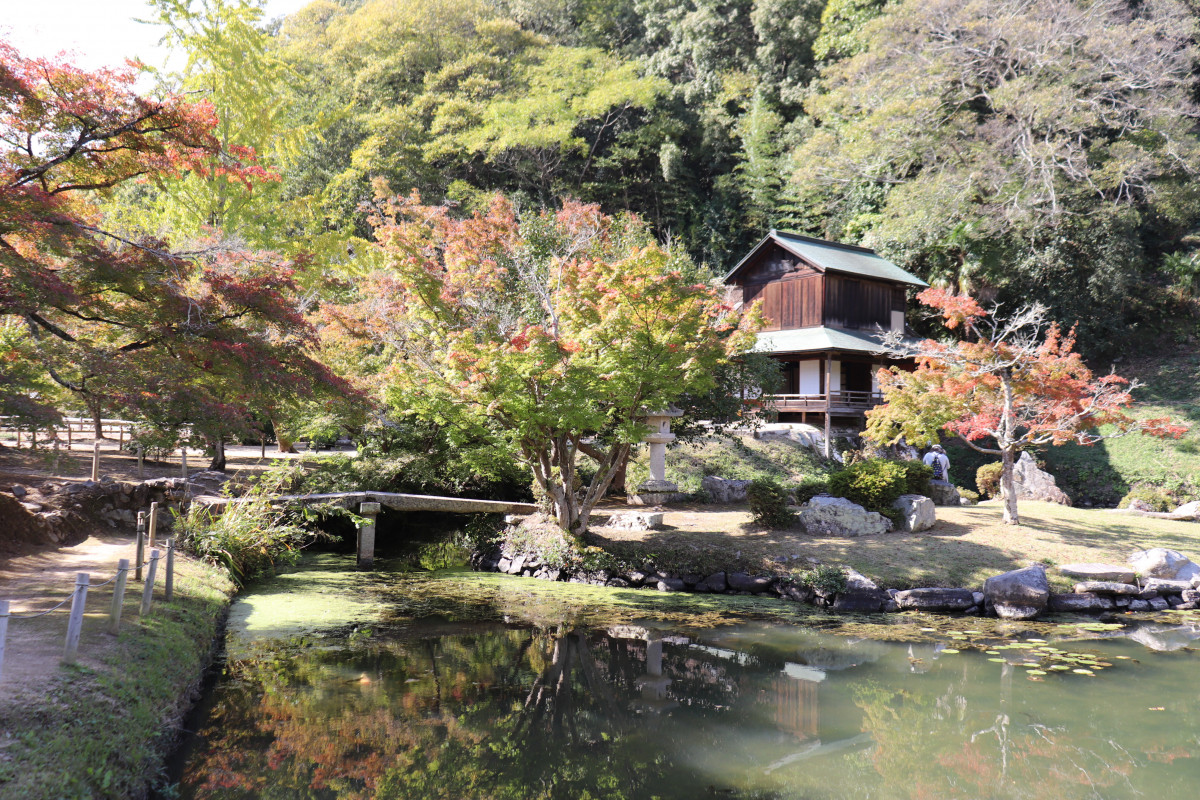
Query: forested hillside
1019, 150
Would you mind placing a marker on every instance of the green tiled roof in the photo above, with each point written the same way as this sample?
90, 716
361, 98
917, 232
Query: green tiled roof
802, 340
831, 256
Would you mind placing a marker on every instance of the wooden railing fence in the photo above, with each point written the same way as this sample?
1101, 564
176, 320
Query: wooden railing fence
818, 402
79, 596
70, 429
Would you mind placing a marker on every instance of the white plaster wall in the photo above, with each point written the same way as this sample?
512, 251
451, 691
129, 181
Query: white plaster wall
810, 377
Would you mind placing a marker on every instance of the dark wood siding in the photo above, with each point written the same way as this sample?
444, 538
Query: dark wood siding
792, 302
854, 303
772, 264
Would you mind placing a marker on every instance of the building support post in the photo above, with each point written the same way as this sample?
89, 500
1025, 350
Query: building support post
828, 402
366, 534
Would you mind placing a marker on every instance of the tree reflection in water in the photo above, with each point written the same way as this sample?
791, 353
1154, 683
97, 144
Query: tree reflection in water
505, 713
485, 711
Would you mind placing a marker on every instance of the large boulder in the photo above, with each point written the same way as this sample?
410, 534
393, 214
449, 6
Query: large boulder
636, 521
1081, 602
1157, 586
864, 601
944, 494
1035, 484
1187, 511
917, 512
1159, 562
713, 583
743, 582
725, 491
935, 599
1098, 572
207, 481
1019, 594
837, 516
860, 595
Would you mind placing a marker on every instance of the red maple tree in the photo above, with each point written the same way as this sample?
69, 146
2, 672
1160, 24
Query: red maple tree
1010, 383
204, 335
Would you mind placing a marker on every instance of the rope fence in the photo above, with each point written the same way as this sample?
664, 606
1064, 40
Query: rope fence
78, 596
117, 430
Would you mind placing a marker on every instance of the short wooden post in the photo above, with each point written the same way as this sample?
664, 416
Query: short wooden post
18, 430
96, 461
183, 463
120, 437
118, 601
141, 463
169, 583
262, 448
141, 544
148, 589
153, 522
366, 535
75, 621
3, 633
68, 434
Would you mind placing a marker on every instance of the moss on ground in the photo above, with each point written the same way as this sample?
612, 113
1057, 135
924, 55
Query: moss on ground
732, 457
967, 545
104, 732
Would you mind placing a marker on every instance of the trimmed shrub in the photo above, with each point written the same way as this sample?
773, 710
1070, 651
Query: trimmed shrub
810, 488
874, 484
1156, 498
987, 479
769, 503
968, 494
917, 477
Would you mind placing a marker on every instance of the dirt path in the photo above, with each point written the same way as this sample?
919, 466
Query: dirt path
37, 582
36, 578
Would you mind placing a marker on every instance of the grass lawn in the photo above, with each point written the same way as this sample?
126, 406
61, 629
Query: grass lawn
968, 544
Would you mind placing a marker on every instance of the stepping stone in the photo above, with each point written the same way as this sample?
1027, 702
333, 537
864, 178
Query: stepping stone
1105, 587
1098, 572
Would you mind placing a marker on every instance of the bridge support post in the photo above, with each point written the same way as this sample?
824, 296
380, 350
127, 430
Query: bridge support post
366, 535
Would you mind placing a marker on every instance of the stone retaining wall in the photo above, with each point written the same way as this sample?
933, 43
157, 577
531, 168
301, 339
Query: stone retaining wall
861, 594
61, 513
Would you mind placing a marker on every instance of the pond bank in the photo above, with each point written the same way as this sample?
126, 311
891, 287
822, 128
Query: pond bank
700, 551
444, 685
104, 727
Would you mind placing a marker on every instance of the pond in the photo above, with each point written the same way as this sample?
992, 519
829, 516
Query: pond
452, 685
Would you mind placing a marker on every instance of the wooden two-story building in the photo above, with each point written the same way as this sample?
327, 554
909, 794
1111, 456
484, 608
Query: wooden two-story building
825, 305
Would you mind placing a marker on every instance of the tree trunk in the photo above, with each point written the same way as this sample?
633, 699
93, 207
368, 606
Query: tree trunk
97, 424
285, 443
618, 481
218, 459
1008, 487
617, 486
1008, 450
554, 470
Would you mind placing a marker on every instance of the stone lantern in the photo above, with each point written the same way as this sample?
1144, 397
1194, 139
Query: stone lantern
658, 489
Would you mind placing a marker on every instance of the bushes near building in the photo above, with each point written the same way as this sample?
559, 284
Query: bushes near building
769, 503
